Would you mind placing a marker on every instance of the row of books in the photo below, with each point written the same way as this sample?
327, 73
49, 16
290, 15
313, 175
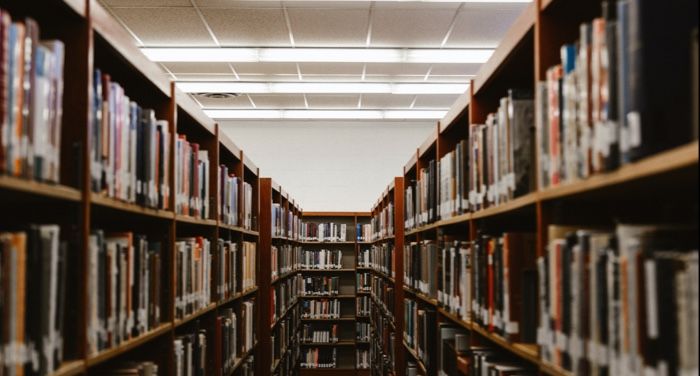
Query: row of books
382, 356
231, 210
383, 338
129, 148
285, 259
323, 357
362, 331
621, 301
320, 286
324, 232
420, 197
504, 287
132, 368
364, 232
235, 334
502, 164
454, 277
382, 223
284, 295
362, 304
236, 272
193, 271
285, 223
419, 331
379, 258
364, 280
125, 275
383, 293
420, 261
322, 259
453, 181
601, 107
191, 352
320, 309
363, 359
191, 179
32, 101
34, 268
310, 333
284, 334
458, 357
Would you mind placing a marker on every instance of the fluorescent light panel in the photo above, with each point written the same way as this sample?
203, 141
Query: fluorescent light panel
325, 114
317, 55
321, 88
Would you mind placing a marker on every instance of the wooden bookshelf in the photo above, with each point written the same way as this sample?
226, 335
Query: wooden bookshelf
93, 39
659, 187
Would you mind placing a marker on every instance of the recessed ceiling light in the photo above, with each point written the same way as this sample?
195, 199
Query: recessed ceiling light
320, 88
325, 114
321, 55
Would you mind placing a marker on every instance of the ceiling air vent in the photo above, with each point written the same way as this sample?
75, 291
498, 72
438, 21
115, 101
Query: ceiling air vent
217, 95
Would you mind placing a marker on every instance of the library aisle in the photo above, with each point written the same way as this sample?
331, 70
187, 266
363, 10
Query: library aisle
541, 217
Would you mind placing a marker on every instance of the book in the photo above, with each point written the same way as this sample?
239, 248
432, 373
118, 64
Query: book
324, 232
190, 352
125, 270
32, 101
191, 179
129, 148
605, 311
193, 271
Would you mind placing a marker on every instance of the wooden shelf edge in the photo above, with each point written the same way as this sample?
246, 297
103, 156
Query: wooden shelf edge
508, 206
344, 343
70, 368
108, 202
195, 221
239, 361
201, 312
414, 355
36, 188
237, 296
657, 164
239, 229
187, 104
527, 352
107, 354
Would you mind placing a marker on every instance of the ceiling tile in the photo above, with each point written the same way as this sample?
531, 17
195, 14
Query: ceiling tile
386, 101
329, 27
440, 78
238, 4
215, 68
333, 101
166, 26
278, 101
435, 101
391, 69
248, 27
483, 25
417, 5
205, 77
332, 77
265, 68
269, 77
241, 102
455, 69
397, 78
335, 68
146, 3
409, 27
315, 4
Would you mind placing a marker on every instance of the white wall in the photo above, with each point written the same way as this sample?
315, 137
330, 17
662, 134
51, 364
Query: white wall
330, 165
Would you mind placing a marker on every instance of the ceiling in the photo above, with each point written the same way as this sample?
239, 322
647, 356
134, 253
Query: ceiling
319, 24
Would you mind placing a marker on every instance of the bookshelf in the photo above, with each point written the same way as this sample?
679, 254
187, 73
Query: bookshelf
344, 323
94, 40
668, 178
386, 266
280, 321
